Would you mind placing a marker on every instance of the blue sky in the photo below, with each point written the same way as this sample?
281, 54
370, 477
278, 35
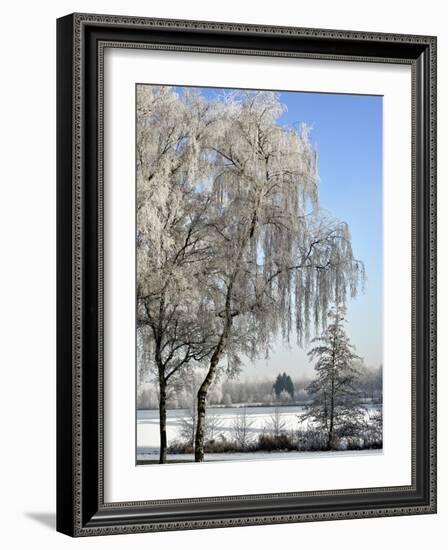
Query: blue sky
347, 130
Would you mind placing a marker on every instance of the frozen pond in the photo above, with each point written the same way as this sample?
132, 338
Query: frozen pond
258, 418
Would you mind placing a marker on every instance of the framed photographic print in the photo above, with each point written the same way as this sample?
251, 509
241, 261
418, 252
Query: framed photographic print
246, 274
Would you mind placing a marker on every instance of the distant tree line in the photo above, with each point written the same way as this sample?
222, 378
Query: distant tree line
254, 392
371, 385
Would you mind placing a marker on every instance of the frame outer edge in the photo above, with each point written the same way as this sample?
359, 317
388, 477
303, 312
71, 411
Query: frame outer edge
222, 26
65, 372
70, 507
433, 273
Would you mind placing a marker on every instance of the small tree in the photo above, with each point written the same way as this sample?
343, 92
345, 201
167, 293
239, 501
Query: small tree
283, 383
187, 426
289, 386
335, 407
276, 425
242, 426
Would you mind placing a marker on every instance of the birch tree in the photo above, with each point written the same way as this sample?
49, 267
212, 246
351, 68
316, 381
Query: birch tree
169, 247
277, 262
335, 406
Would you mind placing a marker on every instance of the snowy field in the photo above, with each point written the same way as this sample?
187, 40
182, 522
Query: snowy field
273, 455
260, 419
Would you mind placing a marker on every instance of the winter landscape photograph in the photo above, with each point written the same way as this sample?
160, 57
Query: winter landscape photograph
259, 297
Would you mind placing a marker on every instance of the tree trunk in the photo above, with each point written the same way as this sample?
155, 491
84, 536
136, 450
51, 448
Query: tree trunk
330, 432
202, 404
331, 429
216, 356
205, 386
162, 420
162, 400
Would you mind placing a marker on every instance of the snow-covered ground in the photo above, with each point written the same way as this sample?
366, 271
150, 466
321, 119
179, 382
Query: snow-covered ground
259, 419
274, 455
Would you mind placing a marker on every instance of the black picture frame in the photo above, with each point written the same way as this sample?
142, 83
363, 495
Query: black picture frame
81, 510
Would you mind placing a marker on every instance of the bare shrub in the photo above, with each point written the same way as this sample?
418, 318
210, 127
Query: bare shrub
242, 429
276, 425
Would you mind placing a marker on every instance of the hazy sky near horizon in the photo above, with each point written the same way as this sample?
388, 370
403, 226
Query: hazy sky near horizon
347, 131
